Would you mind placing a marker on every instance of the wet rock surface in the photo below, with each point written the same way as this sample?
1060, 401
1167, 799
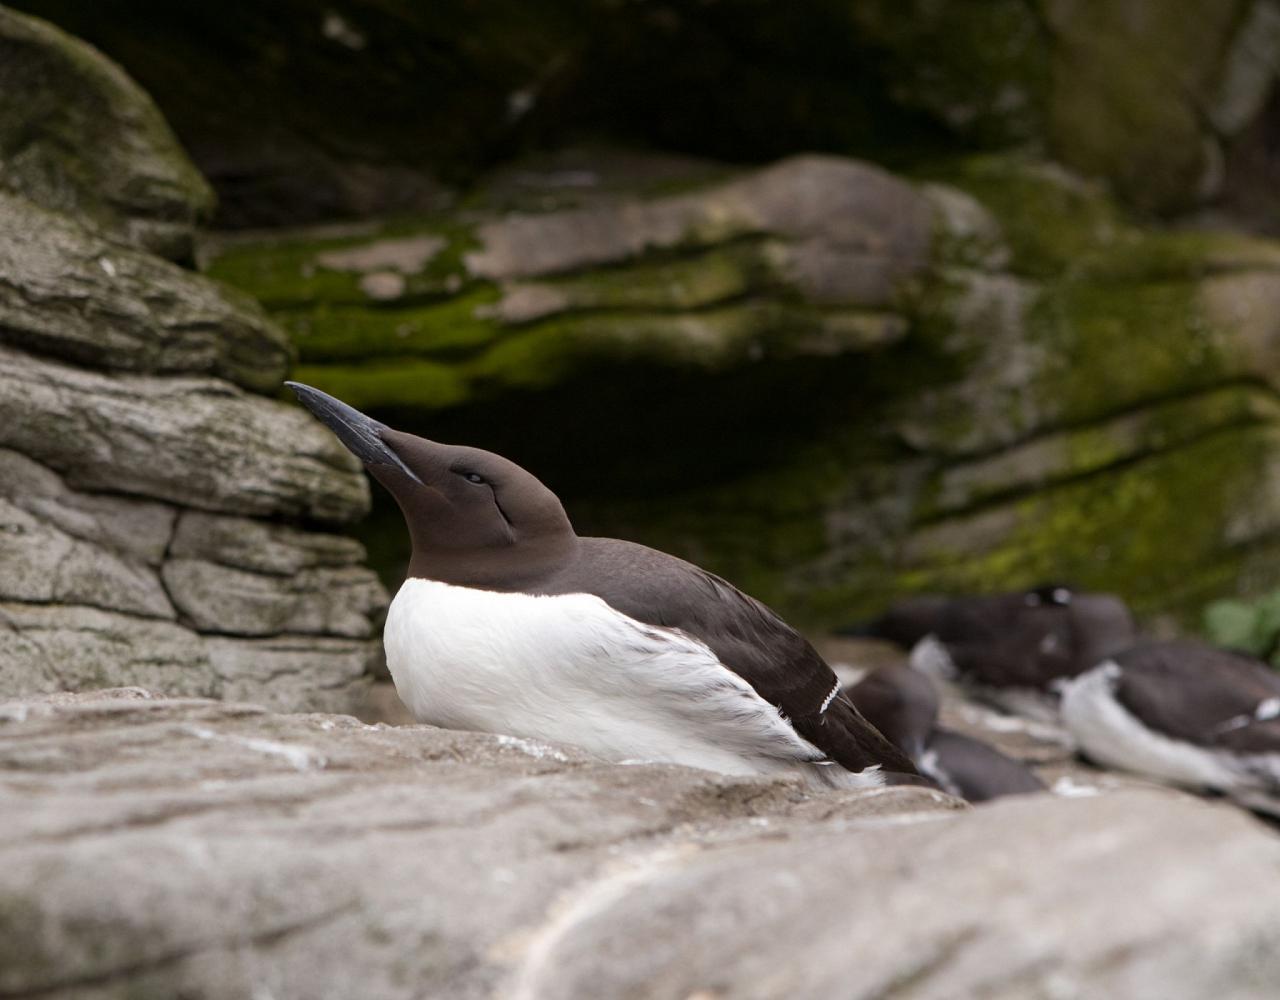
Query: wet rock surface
159, 847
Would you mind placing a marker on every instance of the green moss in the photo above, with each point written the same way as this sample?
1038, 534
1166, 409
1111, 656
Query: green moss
1111, 346
1252, 627
680, 283
290, 272
709, 340
406, 382
1081, 451
331, 333
1060, 226
1050, 219
1152, 530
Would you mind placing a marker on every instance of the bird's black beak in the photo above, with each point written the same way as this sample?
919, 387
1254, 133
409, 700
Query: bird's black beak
362, 435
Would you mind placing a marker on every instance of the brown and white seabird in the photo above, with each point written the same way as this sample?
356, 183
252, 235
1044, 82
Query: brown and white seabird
509, 622
903, 704
1010, 649
1182, 712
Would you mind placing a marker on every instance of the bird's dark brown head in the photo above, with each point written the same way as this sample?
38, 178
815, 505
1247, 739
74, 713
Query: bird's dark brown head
475, 518
902, 703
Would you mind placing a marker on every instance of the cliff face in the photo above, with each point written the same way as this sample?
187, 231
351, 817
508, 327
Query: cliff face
832, 381
156, 511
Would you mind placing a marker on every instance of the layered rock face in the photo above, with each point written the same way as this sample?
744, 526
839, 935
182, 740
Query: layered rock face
151, 505
977, 372
310, 856
979, 380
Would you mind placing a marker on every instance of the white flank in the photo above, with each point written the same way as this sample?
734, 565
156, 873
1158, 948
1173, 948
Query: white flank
927, 764
931, 658
1110, 734
571, 669
1068, 788
1027, 702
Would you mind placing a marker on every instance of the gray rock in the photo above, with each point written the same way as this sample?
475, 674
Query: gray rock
40, 563
84, 139
67, 647
136, 528
288, 673
343, 601
169, 847
72, 294
197, 442
68, 559
848, 205
255, 545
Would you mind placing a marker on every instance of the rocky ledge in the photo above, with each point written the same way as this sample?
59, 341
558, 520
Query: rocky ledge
157, 517
163, 847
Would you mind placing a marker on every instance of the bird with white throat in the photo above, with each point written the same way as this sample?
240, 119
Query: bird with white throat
510, 622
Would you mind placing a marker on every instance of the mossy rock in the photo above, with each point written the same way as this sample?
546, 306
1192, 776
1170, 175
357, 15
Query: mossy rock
85, 140
1050, 393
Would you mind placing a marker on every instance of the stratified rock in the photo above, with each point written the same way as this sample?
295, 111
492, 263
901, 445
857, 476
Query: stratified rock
67, 647
72, 294
103, 590
196, 442
137, 528
254, 545
83, 139
343, 601
40, 563
285, 673
804, 259
122, 422
175, 847
841, 204
240, 576
1001, 373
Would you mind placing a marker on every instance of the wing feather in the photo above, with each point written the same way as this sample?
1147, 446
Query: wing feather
747, 637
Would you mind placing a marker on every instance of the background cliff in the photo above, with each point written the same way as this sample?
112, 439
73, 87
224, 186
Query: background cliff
844, 303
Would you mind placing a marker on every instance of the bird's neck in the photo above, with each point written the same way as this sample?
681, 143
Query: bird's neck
520, 567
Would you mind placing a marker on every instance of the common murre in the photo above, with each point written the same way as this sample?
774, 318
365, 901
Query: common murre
509, 622
1181, 712
1010, 649
903, 704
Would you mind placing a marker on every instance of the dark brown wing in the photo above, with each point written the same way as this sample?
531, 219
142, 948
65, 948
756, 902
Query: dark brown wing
978, 771
746, 636
1021, 639
900, 702
1195, 692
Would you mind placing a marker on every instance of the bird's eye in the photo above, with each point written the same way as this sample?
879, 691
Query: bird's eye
473, 477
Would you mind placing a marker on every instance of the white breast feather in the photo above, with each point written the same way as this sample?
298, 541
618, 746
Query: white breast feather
570, 668
1110, 734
